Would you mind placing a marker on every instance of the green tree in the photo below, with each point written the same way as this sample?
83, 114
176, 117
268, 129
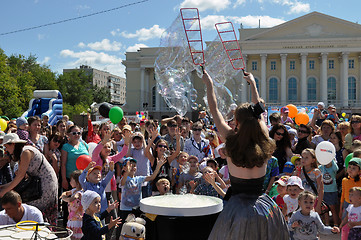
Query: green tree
101, 94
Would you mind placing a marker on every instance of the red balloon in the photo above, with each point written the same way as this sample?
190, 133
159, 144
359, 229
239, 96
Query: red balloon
83, 161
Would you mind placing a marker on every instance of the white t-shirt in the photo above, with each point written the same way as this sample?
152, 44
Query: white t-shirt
354, 214
31, 213
225, 173
292, 204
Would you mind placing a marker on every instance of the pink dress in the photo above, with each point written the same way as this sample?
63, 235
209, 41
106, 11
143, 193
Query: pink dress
75, 219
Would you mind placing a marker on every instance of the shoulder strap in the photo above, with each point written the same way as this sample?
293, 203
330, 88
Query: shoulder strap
309, 181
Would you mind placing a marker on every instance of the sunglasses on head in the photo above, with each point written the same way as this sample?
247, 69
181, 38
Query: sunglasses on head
162, 146
197, 129
279, 134
75, 133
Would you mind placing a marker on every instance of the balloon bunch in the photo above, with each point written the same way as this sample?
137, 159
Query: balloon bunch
300, 117
114, 113
141, 115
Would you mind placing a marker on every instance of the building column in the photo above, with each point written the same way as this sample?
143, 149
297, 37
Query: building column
142, 72
323, 80
263, 76
283, 79
147, 90
304, 78
344, 80
243, 83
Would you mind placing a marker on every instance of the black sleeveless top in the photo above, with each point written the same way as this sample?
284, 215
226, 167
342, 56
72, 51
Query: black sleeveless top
253, 186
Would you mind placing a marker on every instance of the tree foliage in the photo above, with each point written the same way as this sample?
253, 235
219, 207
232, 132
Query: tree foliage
20, 76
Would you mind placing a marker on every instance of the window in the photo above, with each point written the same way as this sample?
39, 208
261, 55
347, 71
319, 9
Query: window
331, 64
273, 65
331, 88
273, 90
292, 65
351, 88
153, 97
254, 65
311, 89
351, 63
311, 64
292, 89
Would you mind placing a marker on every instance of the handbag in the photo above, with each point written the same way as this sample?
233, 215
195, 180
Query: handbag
30, 186
325, 208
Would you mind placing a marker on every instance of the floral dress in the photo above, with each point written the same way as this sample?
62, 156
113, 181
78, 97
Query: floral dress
75, 219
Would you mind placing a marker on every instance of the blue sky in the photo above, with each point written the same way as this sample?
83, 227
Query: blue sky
102, 40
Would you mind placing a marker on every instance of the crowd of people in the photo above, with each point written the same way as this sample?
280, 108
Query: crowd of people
250, 165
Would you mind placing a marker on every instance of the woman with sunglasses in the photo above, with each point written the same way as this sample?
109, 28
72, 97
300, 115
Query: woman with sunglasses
355, 132
304, 132
70, 152
197, 145
249, 213
161, 152
283, 151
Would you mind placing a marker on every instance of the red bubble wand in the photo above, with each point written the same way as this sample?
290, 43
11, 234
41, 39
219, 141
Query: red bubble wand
192, 28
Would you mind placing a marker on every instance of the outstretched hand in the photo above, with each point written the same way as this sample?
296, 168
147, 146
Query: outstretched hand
114, 222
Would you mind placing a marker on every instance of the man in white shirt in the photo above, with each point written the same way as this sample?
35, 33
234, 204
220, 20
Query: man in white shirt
15, 211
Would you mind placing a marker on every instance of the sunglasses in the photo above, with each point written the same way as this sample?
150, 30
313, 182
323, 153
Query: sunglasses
352, 122
57, 140
303, 131
75, 133
197, 129
162, 146
173, 126
279, 134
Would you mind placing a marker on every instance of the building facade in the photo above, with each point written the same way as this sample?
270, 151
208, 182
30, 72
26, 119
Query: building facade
115, 84
313, 58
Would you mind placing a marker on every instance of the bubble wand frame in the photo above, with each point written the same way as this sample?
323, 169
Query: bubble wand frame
237, 49
187, 31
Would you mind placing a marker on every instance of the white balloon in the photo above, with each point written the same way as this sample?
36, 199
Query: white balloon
325, 152
92, 146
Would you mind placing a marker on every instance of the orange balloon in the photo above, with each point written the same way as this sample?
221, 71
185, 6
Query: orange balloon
293, 110
302, 118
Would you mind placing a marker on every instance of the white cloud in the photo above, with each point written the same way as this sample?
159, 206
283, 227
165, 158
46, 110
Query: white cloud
143, 34
294, 5
239, 2
82, 7
203, 5
247, 21
41, 36
101, 60
104, 45
136, 47
299, 8
44, 61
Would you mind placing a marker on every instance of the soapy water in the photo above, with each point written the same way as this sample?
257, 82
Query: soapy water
174, 67
181, 201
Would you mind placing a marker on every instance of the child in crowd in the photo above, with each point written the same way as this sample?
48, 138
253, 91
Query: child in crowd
22, 130
213, 164
296, 161
193, 175
353, 219
179, 166
313, 181
163, 186
93, 130
143, 164
209, 185
281, 190
293, 137
329, 172
294, 188
272, 172
131, 185
352, 180
118, 138
73, 198
306, 223
91, 179
93, 228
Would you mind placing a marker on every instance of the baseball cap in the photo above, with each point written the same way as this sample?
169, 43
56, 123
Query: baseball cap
288, 167
295, 181
283, 181
93, 168
129, 159
294, 158
357, 161
127, 127
284, 110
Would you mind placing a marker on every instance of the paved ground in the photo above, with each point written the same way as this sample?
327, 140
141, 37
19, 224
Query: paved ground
330, 237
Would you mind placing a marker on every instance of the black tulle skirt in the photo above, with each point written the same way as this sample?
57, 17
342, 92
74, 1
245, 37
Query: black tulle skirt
250, 217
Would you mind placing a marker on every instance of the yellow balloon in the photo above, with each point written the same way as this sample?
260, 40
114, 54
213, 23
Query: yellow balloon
343, 114
3, 124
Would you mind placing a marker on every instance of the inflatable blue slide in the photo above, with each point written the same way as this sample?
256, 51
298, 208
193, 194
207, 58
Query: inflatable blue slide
49, 102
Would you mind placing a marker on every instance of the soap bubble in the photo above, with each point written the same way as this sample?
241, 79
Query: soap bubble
194, 106
193, 95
